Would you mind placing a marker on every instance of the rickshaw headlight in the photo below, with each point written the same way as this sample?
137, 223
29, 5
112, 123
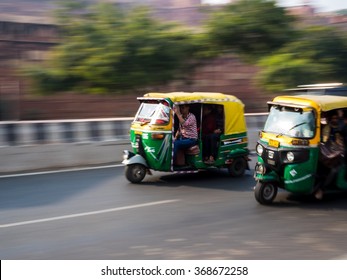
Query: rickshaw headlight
260, 149
290, 156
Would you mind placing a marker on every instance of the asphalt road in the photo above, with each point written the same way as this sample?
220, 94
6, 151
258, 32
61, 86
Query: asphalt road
98, 214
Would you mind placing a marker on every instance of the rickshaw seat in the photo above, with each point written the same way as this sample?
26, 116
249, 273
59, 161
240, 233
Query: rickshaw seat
193, 150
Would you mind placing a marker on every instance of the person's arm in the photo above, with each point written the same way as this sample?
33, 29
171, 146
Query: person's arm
177, 134
178, 114
325, 133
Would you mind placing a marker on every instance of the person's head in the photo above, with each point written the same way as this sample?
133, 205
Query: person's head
334, 119
207, 109
184, 108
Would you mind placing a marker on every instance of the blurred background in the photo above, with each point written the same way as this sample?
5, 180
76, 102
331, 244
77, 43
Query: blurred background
91, 59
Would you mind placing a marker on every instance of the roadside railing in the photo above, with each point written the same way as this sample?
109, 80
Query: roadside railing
41, 145
19, 133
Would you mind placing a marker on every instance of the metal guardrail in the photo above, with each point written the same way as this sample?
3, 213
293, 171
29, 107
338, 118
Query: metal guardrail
37, 145
19, 133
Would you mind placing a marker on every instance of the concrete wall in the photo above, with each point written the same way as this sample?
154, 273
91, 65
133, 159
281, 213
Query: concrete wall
40, 145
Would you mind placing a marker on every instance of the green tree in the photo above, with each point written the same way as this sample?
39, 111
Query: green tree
251, 28
342, 12
106, 49
319, 56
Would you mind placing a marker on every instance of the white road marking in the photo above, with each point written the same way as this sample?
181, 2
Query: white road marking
59, 171
88, 213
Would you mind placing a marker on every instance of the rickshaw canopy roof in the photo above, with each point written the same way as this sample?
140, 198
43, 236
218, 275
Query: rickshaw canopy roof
196, 97
320, 102
233, 107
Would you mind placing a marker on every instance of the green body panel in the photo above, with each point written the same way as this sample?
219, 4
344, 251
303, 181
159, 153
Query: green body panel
233, 145
157, 151
237, 152
195, 160
300, 177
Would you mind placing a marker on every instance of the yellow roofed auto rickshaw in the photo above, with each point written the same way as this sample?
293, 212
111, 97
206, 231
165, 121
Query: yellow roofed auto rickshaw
155, 127
295, 152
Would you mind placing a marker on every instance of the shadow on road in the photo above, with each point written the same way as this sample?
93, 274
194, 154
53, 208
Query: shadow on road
210, 179
330, 201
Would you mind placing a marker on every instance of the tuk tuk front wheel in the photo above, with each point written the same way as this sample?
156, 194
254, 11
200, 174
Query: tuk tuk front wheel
135, 172
265, 193
237, 167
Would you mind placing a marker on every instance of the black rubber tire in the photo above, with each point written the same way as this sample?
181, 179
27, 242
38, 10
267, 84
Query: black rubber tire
238, 167
265, 193
135, 172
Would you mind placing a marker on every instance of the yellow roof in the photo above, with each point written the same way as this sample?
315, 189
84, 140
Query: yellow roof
202, 97
320, 102
233, 107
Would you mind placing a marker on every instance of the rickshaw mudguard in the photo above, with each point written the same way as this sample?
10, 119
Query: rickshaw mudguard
238, 152
271, 176
136, 159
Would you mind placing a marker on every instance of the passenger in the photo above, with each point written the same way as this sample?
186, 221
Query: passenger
213, 124
187, 133
208, 136
331, 150
219, 120
332, 130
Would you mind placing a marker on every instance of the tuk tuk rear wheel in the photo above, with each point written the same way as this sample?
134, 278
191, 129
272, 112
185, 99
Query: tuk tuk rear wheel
238, 167
135, 172
265, 193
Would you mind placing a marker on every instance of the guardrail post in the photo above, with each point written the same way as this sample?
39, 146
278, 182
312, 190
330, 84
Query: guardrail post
11, 133
68, 133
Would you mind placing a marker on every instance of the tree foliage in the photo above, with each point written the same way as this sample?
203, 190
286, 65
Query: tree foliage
105, 49
342, 12
319, 56
252, 28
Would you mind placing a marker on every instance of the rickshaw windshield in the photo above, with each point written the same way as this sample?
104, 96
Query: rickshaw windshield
153, 113
292, 122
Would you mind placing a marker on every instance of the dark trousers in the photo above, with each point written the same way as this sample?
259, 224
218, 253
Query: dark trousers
210, 145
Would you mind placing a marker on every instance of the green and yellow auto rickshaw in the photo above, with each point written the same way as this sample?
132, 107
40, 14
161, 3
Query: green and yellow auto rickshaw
291, 154
155, 124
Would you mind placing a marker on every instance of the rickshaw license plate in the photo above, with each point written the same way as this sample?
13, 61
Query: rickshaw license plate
274, 143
